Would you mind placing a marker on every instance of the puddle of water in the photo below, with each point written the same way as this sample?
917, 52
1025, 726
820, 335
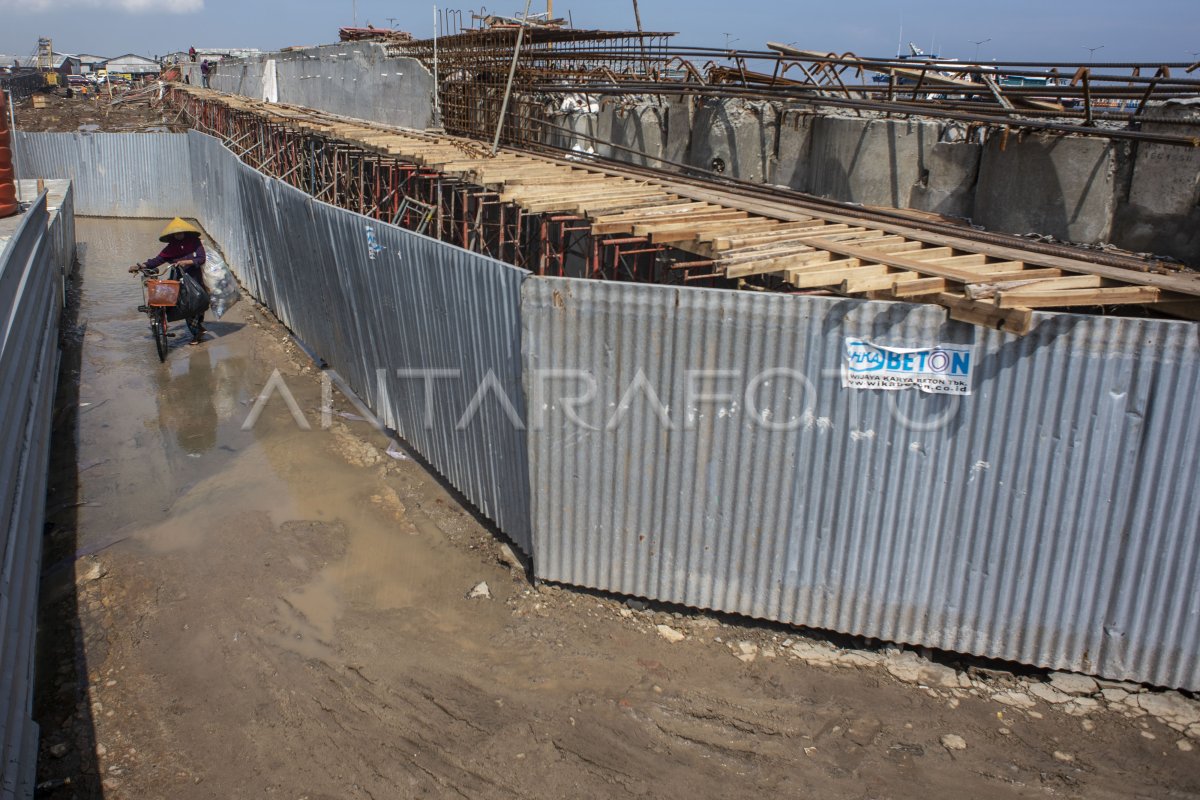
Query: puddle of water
168, 463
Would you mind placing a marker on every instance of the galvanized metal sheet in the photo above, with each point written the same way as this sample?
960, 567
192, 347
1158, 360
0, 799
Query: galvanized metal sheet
31, 281
1048, 518
415, 304
115, 174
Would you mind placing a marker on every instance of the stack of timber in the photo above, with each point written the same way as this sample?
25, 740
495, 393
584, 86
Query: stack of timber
749, 238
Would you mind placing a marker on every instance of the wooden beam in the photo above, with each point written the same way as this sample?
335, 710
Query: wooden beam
1020, 284
1017, 320
859, 283
1116, 295
918, 287
836, 276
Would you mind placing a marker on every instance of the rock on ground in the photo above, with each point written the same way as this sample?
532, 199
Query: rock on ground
952, 741
669, 633
1073, 684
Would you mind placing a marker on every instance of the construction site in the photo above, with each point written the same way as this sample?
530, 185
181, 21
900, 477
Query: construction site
603, 416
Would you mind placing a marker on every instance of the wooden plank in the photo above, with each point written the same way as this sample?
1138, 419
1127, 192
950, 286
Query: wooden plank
859, 283
693, 232
834, 277
898, 244
586, 206
1186, 283
630, 225
919, 287
985, 275
558, 203
669, 221
929, 255
666, 211
769, 239
899, 262
830, 264
1116, 295
599, 212
766, 253
972, 260
999, 267
1021, 283
779, 264
785, 230
1017, 320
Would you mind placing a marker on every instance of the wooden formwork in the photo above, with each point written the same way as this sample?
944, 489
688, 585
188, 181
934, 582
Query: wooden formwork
710, 233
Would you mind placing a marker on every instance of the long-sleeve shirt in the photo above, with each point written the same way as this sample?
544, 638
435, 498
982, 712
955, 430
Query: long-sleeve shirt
188, 247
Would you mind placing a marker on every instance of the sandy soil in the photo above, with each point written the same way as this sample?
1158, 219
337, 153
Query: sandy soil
280, 612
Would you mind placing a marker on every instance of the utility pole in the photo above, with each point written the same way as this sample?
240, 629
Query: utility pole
1092, 53
977, 44
354, 12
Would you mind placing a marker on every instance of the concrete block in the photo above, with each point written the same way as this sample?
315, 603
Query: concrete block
1162, 211
734, 138
642, 128
793, 149
681, 112
897, 163
946, 179
1061, 186
581, 129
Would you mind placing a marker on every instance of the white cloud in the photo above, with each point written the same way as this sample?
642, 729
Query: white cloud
130, 6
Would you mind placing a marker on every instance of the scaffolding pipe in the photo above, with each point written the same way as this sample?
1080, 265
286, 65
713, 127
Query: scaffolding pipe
512, 72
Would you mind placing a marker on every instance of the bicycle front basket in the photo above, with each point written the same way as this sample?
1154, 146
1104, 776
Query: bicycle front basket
162, 293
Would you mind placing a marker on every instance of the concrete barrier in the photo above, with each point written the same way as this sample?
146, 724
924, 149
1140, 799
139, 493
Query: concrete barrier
1046, 184
887, 162
356, 79
1161, 211
734, 138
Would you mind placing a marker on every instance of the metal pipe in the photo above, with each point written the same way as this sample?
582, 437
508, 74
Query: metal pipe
512, 72
437, 109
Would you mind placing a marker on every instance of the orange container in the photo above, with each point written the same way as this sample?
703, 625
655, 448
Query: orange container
162, 293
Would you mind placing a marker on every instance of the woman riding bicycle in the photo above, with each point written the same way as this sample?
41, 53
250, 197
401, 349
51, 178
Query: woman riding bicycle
184, 250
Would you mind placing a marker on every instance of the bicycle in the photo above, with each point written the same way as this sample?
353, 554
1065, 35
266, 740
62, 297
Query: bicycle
161, 295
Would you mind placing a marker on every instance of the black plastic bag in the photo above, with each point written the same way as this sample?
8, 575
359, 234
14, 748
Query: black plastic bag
193, 300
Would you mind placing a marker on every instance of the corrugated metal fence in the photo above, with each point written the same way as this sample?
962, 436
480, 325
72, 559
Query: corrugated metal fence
114, 174
1049, 518
32, 267
409, 303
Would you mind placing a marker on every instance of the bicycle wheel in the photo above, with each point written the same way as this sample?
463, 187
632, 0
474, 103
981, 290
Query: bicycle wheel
158, 324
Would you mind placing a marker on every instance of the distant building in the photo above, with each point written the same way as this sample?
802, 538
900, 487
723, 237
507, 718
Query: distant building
132, 65
9, 62
212, 54
89, 63
65, 64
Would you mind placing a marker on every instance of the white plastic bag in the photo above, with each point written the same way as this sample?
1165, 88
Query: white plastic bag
221, 285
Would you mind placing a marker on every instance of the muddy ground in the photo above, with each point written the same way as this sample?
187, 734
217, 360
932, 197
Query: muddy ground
277, 612
135, 111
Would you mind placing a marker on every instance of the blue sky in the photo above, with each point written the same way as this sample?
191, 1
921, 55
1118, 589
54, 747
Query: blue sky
1167, 30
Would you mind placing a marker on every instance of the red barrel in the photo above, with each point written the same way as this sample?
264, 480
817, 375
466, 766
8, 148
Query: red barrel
8, 189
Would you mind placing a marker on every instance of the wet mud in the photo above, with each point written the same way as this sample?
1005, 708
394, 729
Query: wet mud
233, 613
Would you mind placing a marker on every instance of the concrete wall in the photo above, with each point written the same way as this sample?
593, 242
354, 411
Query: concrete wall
888, 162
1053, 185
1089, 190
1142, 197
356, 79
1161, 210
